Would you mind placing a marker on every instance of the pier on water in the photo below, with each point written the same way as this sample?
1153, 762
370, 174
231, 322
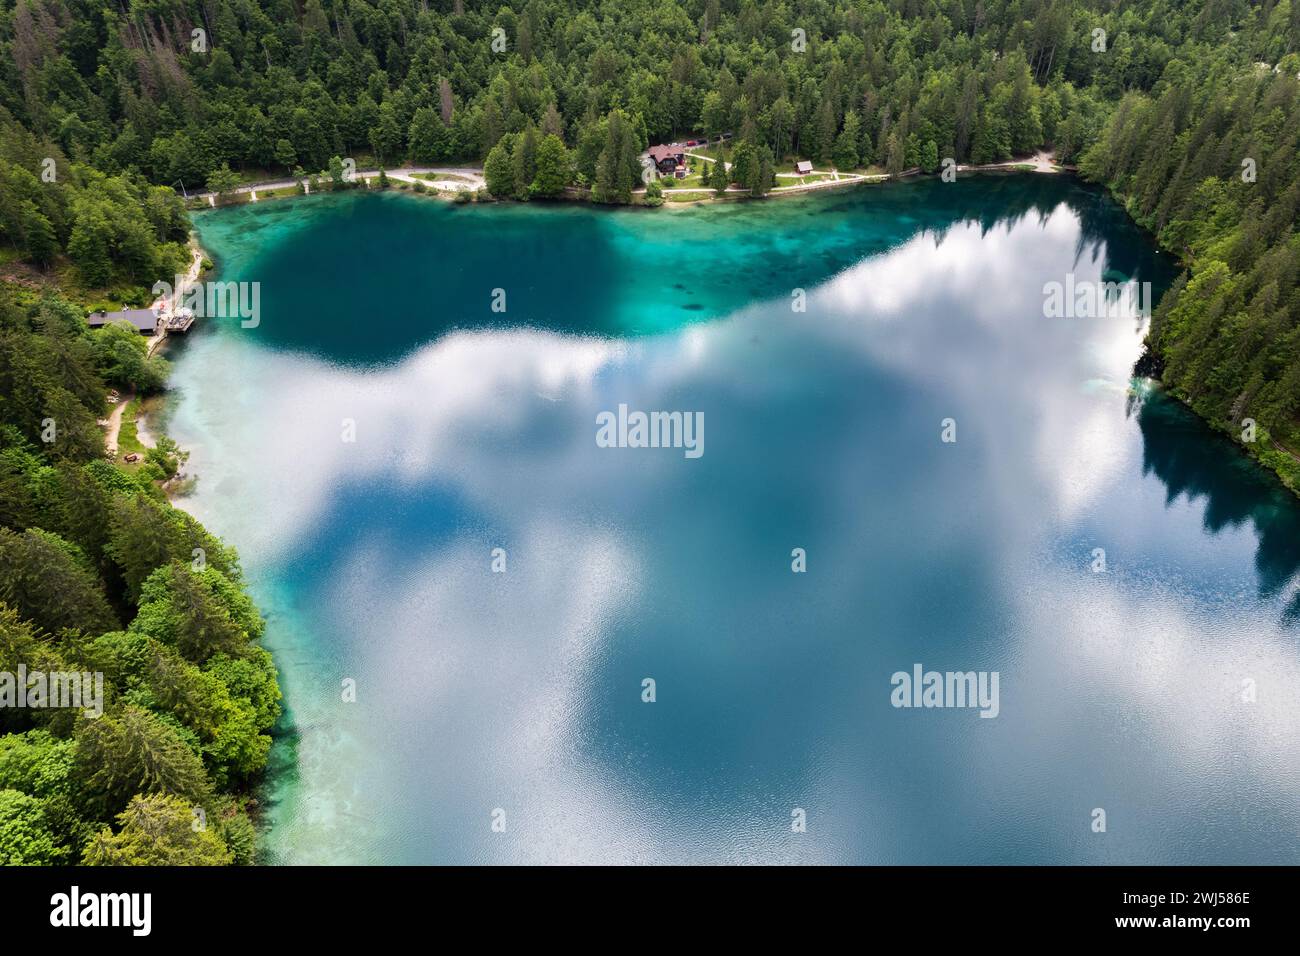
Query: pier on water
179, 322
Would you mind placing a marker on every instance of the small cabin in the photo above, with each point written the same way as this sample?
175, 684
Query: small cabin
803, 167
144, 320
679, 172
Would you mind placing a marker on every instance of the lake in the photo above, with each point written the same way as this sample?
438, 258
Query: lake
405, 452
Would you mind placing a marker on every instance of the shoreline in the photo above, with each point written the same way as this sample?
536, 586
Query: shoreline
284, 732
165, 306
182, 479
408, 177
1151, 362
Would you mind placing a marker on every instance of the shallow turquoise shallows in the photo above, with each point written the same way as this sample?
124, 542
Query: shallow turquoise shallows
424, 512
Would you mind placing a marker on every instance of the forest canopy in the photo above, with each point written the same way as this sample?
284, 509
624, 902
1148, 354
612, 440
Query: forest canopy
99, 574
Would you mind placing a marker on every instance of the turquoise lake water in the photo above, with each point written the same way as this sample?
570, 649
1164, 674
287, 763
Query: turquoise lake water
517, 696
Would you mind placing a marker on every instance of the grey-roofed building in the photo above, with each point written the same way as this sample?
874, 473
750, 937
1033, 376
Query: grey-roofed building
144, 320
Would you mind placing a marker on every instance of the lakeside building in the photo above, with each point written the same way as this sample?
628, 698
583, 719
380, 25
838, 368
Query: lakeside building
144, 320
668, 158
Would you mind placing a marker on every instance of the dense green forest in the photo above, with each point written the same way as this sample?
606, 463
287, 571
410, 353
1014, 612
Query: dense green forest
1209, 160
273, 85
1188, 112
100, 574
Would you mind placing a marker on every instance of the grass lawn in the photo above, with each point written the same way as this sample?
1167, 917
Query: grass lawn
710, 151
805, 180
694, 179
128, 439
785, 166
870, 170
450, 177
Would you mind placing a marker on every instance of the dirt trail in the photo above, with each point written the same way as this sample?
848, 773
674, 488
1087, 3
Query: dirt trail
406, 174
115, 423
165, 307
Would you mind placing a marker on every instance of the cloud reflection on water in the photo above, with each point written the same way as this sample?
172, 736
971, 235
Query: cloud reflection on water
521, 690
